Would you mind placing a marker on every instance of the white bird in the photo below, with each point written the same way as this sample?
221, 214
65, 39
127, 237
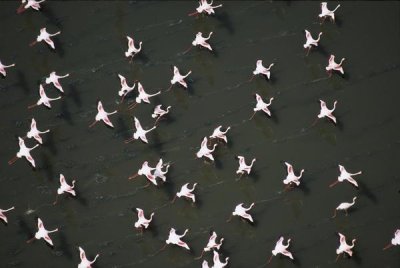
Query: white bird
143, 96
44, 35
333, 66
132, 50
125, 89
35, 133
212, 244
202, 41
4, 217
243, 167
159, 112
178, 78
43, 99
262, 106
280, 248
34, 4
219, 134
158, 172
325, 12
24, 152
102, 115
186, 192
344, 206
53, 78
142, 222
344, 247
65, 188
291, 178
175, 239
204, 151
217, 261
344, 175
260, 69
395, 240
325, 112
146, 171
205, 7
3, 68
205, 264
310, 41
42, 233
242, 212
85, 263
140, 133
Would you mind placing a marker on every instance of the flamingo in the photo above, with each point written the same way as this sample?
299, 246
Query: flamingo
65, 188
260, 69
175, 239
34, 4
102, 115
146, 171
291, 178
212, 244
42, 233
200, 41
344, 247
24, 152
132, 50
3, 68
262, 106
85, 263
143, 96
44, 35
186, 192
205, 7
280, 248
159, 112
333, 66
140, 133
345, 206
219, 134
205, 264
204, 151
43, 99
178, 78
142, 222
217, 261
325, 12
4, 217
242, 212
344, 175
311, 41
325, 112
395, 240
53, 78
243, 167
125, 89
35, 133
158, 172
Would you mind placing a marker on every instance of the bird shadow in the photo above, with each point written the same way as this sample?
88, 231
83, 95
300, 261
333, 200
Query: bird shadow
339, 123
48, 13
59, 48
274, 117
79, 198
156, 143
321, 49
367, 192
47, 166
304, 188
169, 187
142, 57
50, 144
339, 22
64, 245
255, 175
218, 163
74, 94
224, 19
122, 129
64, 113
24, 228
22, 82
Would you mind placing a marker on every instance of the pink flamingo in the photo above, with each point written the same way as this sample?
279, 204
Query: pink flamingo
280, 248
43, 99
159, 112
344, 175
243, 167
158, 172
219, 134
65, 188
3, 68
143, 96
132, 50
242, 212
200, 41
325, 12
204, 151
24, 152
53, 78
146, 171
212, 244
35, 133
186, 192
262, 106
125, 89
205, 264
344, 206
175, 239
395, 240
325, 112
205, 7
142, 222
291, 178
260, 69
102, 115
217, 261
344, 247
44, 35
34, 4
310, 41
333, 66
4, 217
42, 233
85, 263
178, 78
140, 133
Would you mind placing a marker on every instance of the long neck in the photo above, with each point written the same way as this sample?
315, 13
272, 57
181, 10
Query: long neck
319, 37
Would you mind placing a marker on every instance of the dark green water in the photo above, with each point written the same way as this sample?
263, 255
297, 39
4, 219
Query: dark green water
91, 47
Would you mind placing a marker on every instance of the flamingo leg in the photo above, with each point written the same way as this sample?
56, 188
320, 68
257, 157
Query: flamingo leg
252, 115
387, 246
132, 106
315, 122
270, 258
33, 43
334, 215
133, 176
187, 50
173, 200
12, 161
169, 87
92, 124
202, 253
55, 202
30, 240
333, 184
129, 140
230, 218
31, 106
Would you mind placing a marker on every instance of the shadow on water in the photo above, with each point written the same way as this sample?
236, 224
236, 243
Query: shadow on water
169, 188
73, 93
47, 166
142, 57
321, 49
50, 144
156, 143
274, 117
64, 113
364, 190
22, 82
122, 129
48, 13
224, 19
218, 163
24, 228
65, 245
